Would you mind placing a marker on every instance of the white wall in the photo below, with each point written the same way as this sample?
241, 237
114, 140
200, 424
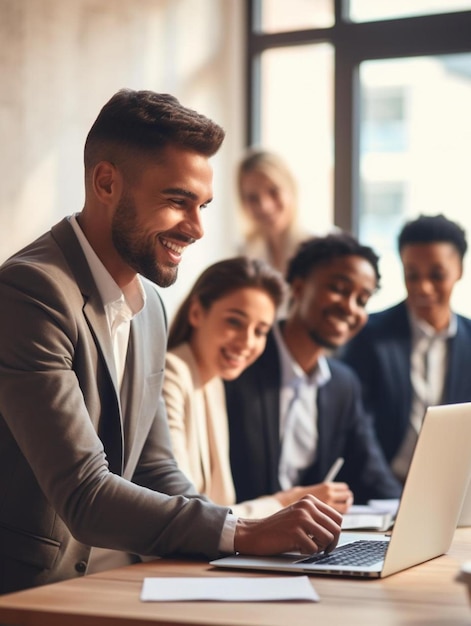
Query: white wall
61, 60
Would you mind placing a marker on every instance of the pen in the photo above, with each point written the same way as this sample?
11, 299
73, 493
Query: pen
334, 470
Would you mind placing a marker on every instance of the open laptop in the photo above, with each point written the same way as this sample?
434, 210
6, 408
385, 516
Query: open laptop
428, 512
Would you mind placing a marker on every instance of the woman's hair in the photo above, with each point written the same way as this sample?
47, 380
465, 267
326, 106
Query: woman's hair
221, 279
271, 165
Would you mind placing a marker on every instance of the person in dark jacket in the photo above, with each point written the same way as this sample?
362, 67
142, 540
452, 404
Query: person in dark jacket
418, 352
296, 410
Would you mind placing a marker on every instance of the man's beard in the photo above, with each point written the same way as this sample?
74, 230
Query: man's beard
135, 249
321, 341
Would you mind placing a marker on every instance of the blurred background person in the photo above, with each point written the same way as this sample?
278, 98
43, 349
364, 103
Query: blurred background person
220, 329
417, 353
268, 198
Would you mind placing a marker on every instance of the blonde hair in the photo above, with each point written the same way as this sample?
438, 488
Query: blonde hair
275, 168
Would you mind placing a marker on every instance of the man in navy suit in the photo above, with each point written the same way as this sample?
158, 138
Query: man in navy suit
418, 352
296, 410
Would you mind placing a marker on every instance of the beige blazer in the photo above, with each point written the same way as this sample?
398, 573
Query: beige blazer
199, 433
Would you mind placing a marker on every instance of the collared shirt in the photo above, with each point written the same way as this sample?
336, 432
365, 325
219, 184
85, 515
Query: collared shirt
298, 413
428, 368
119, 313
120, 307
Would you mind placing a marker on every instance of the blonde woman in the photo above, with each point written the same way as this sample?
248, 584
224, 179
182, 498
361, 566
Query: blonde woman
218, 331
268, 198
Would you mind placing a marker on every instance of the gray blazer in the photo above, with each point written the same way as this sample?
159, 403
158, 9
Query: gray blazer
80, 465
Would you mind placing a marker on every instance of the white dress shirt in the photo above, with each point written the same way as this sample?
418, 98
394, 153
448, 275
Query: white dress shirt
298, 414
428, 368
120, 308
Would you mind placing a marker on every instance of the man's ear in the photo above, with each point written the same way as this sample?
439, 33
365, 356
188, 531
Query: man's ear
107, 183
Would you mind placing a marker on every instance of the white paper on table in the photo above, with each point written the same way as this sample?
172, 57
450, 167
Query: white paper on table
228, 589
375, 507
376, 515
386, 506
367, 521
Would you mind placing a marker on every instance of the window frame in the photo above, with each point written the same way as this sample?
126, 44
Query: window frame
353, 43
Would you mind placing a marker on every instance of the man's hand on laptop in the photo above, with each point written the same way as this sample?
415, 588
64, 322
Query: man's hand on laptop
308, 525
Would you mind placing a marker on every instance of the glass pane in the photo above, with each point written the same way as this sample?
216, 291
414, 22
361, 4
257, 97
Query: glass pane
297, 123
288, 15
371, 10
415, 151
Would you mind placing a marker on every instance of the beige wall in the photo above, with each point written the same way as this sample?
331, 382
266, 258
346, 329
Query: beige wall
60, 60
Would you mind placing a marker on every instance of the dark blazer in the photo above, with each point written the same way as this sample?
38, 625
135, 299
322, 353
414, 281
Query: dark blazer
75, 453
343, 426
381, 353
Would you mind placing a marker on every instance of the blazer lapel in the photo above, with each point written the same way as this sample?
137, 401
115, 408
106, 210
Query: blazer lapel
325, 428
268, 367
93, 307
132, 387
109, 429
396, 357
457, 387
200, 411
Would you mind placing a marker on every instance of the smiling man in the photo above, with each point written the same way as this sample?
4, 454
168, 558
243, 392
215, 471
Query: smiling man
296, 410
87, 477
418, 352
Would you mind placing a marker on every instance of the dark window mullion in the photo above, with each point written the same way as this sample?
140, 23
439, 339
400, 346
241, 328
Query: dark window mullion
345, 141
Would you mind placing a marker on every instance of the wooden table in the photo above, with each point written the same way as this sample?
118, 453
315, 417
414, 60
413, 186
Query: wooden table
426, 594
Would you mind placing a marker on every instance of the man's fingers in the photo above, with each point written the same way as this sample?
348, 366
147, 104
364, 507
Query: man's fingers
324, 525
323, 508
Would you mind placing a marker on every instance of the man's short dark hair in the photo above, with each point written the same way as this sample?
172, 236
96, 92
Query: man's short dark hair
146, 122
433, 229
322, 250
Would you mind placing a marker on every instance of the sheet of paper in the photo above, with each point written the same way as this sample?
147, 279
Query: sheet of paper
367, 521
385, 506
375, 507
229, 589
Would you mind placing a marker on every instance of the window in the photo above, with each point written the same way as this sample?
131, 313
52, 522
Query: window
368, 10
415, 150
297, 84
285, 15
383, 127
372, 109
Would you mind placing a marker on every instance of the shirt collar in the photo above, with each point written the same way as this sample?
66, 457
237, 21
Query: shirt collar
111, 294
292, 373
421, 328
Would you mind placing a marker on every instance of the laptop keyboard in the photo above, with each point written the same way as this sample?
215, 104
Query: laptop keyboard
360, 553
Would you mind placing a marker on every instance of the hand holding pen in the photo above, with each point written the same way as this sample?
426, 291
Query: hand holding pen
336, 495
334, 470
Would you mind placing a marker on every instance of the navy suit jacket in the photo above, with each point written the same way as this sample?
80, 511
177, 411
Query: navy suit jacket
381, 354
344, 429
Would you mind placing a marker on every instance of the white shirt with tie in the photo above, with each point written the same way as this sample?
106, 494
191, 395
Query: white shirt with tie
298, 414
428, 368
